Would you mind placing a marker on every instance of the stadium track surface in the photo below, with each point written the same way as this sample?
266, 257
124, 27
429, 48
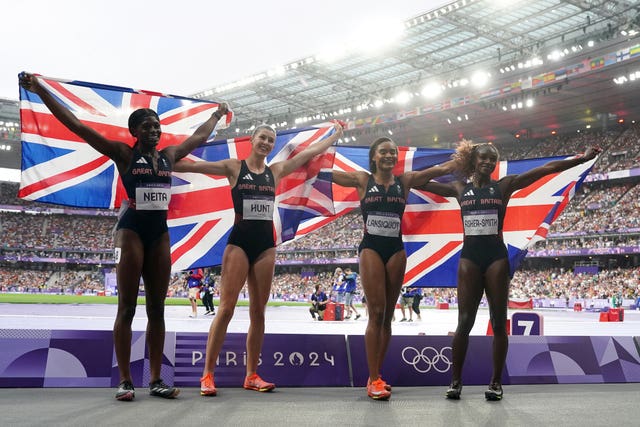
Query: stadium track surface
296, 319
523, 405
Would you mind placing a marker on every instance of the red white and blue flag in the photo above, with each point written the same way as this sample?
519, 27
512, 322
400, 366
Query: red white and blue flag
433, 228
58, 167
201, 211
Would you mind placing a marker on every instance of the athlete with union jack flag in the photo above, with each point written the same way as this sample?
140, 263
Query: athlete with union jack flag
250, 253
142, 247
383, 258
484, 263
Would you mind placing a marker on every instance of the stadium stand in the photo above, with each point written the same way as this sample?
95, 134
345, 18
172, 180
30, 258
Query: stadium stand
56, 249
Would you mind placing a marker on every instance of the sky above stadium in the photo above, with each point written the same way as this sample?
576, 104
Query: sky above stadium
179, 47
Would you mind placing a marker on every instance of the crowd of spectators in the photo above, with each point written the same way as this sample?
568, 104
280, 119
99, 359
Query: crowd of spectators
344, 232
561, 283
551, 284
56, 231
603, 214
50, 281
601, 209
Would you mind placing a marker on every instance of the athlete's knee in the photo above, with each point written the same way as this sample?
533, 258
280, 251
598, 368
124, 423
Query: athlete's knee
465, 324
225, 313
126, 313
377, 314
155, 310
499, 326
256, 314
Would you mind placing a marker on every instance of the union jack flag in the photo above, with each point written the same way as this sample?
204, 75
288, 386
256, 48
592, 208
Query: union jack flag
432, 226
349, 159
59, 167
201, 211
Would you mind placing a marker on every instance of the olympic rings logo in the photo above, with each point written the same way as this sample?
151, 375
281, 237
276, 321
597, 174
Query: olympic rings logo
428, 358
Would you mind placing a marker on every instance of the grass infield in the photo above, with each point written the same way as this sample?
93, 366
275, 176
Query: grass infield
89, 299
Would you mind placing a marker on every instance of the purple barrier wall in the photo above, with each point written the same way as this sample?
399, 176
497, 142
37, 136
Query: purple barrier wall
287, 360
423, 360
63, 358
579, 360
43, 358
60, 358
426, 360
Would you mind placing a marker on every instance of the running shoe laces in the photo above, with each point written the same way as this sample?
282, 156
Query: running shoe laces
494, 392
454, 390
125, 392
160, 389
254, 382
377, 390
207, 386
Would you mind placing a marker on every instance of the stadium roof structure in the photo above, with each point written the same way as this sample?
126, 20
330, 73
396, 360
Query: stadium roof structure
547, 65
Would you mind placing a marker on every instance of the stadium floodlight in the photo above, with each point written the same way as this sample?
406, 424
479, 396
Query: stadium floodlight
620, 80
555, 55
403, 97
431, 90
278, 71
480, 78
378, 103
